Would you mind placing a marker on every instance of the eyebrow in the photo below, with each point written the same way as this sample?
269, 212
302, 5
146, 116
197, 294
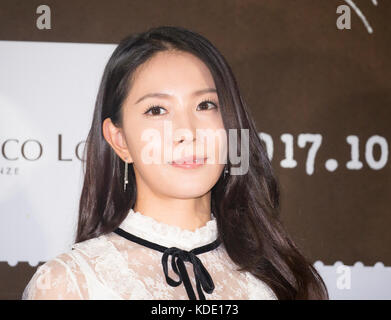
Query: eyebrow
165, 95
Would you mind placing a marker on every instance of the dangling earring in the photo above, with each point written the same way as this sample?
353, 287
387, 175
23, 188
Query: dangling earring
126, 175
225, 171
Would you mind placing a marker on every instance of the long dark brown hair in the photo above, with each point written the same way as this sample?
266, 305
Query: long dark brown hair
246, 206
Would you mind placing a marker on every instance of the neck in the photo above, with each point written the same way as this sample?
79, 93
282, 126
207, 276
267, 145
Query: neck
189, 214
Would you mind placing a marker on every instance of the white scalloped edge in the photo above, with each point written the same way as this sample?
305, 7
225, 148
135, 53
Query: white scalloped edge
32, 263
357, 264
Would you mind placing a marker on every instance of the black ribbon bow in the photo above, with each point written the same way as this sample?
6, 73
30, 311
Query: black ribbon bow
178, 258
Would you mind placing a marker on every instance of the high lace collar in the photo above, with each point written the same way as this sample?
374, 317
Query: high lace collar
167, 235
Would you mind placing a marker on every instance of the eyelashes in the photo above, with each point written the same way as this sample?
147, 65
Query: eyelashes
154, 109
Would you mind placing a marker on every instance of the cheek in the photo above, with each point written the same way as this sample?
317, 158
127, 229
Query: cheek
214, 146
219, 136
144, 144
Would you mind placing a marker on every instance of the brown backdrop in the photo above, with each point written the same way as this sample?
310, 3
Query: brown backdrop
299, 74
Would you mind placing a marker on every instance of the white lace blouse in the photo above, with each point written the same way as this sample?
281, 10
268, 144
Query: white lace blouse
112, 266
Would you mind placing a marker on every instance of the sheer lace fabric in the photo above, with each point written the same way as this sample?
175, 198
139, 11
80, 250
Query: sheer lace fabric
112, 267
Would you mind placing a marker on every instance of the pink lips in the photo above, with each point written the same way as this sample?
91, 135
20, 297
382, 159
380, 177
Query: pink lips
189, 162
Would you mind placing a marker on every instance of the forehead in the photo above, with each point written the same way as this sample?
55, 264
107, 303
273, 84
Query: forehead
177, 73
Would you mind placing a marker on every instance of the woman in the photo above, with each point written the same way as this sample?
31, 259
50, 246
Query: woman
172, 229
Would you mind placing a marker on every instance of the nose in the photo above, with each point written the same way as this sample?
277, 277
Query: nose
184, 126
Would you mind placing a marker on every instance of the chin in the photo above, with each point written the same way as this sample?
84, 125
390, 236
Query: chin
187, 194
189, 189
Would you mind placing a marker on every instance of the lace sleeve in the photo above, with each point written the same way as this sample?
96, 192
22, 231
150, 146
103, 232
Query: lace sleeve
57, 279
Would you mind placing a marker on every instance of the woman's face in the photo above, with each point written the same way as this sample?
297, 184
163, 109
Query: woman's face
177, 76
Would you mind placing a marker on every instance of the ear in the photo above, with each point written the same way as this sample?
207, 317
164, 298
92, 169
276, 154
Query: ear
115, 137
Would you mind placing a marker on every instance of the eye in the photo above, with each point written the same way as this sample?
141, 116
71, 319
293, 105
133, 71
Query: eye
204, 105
154, 111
